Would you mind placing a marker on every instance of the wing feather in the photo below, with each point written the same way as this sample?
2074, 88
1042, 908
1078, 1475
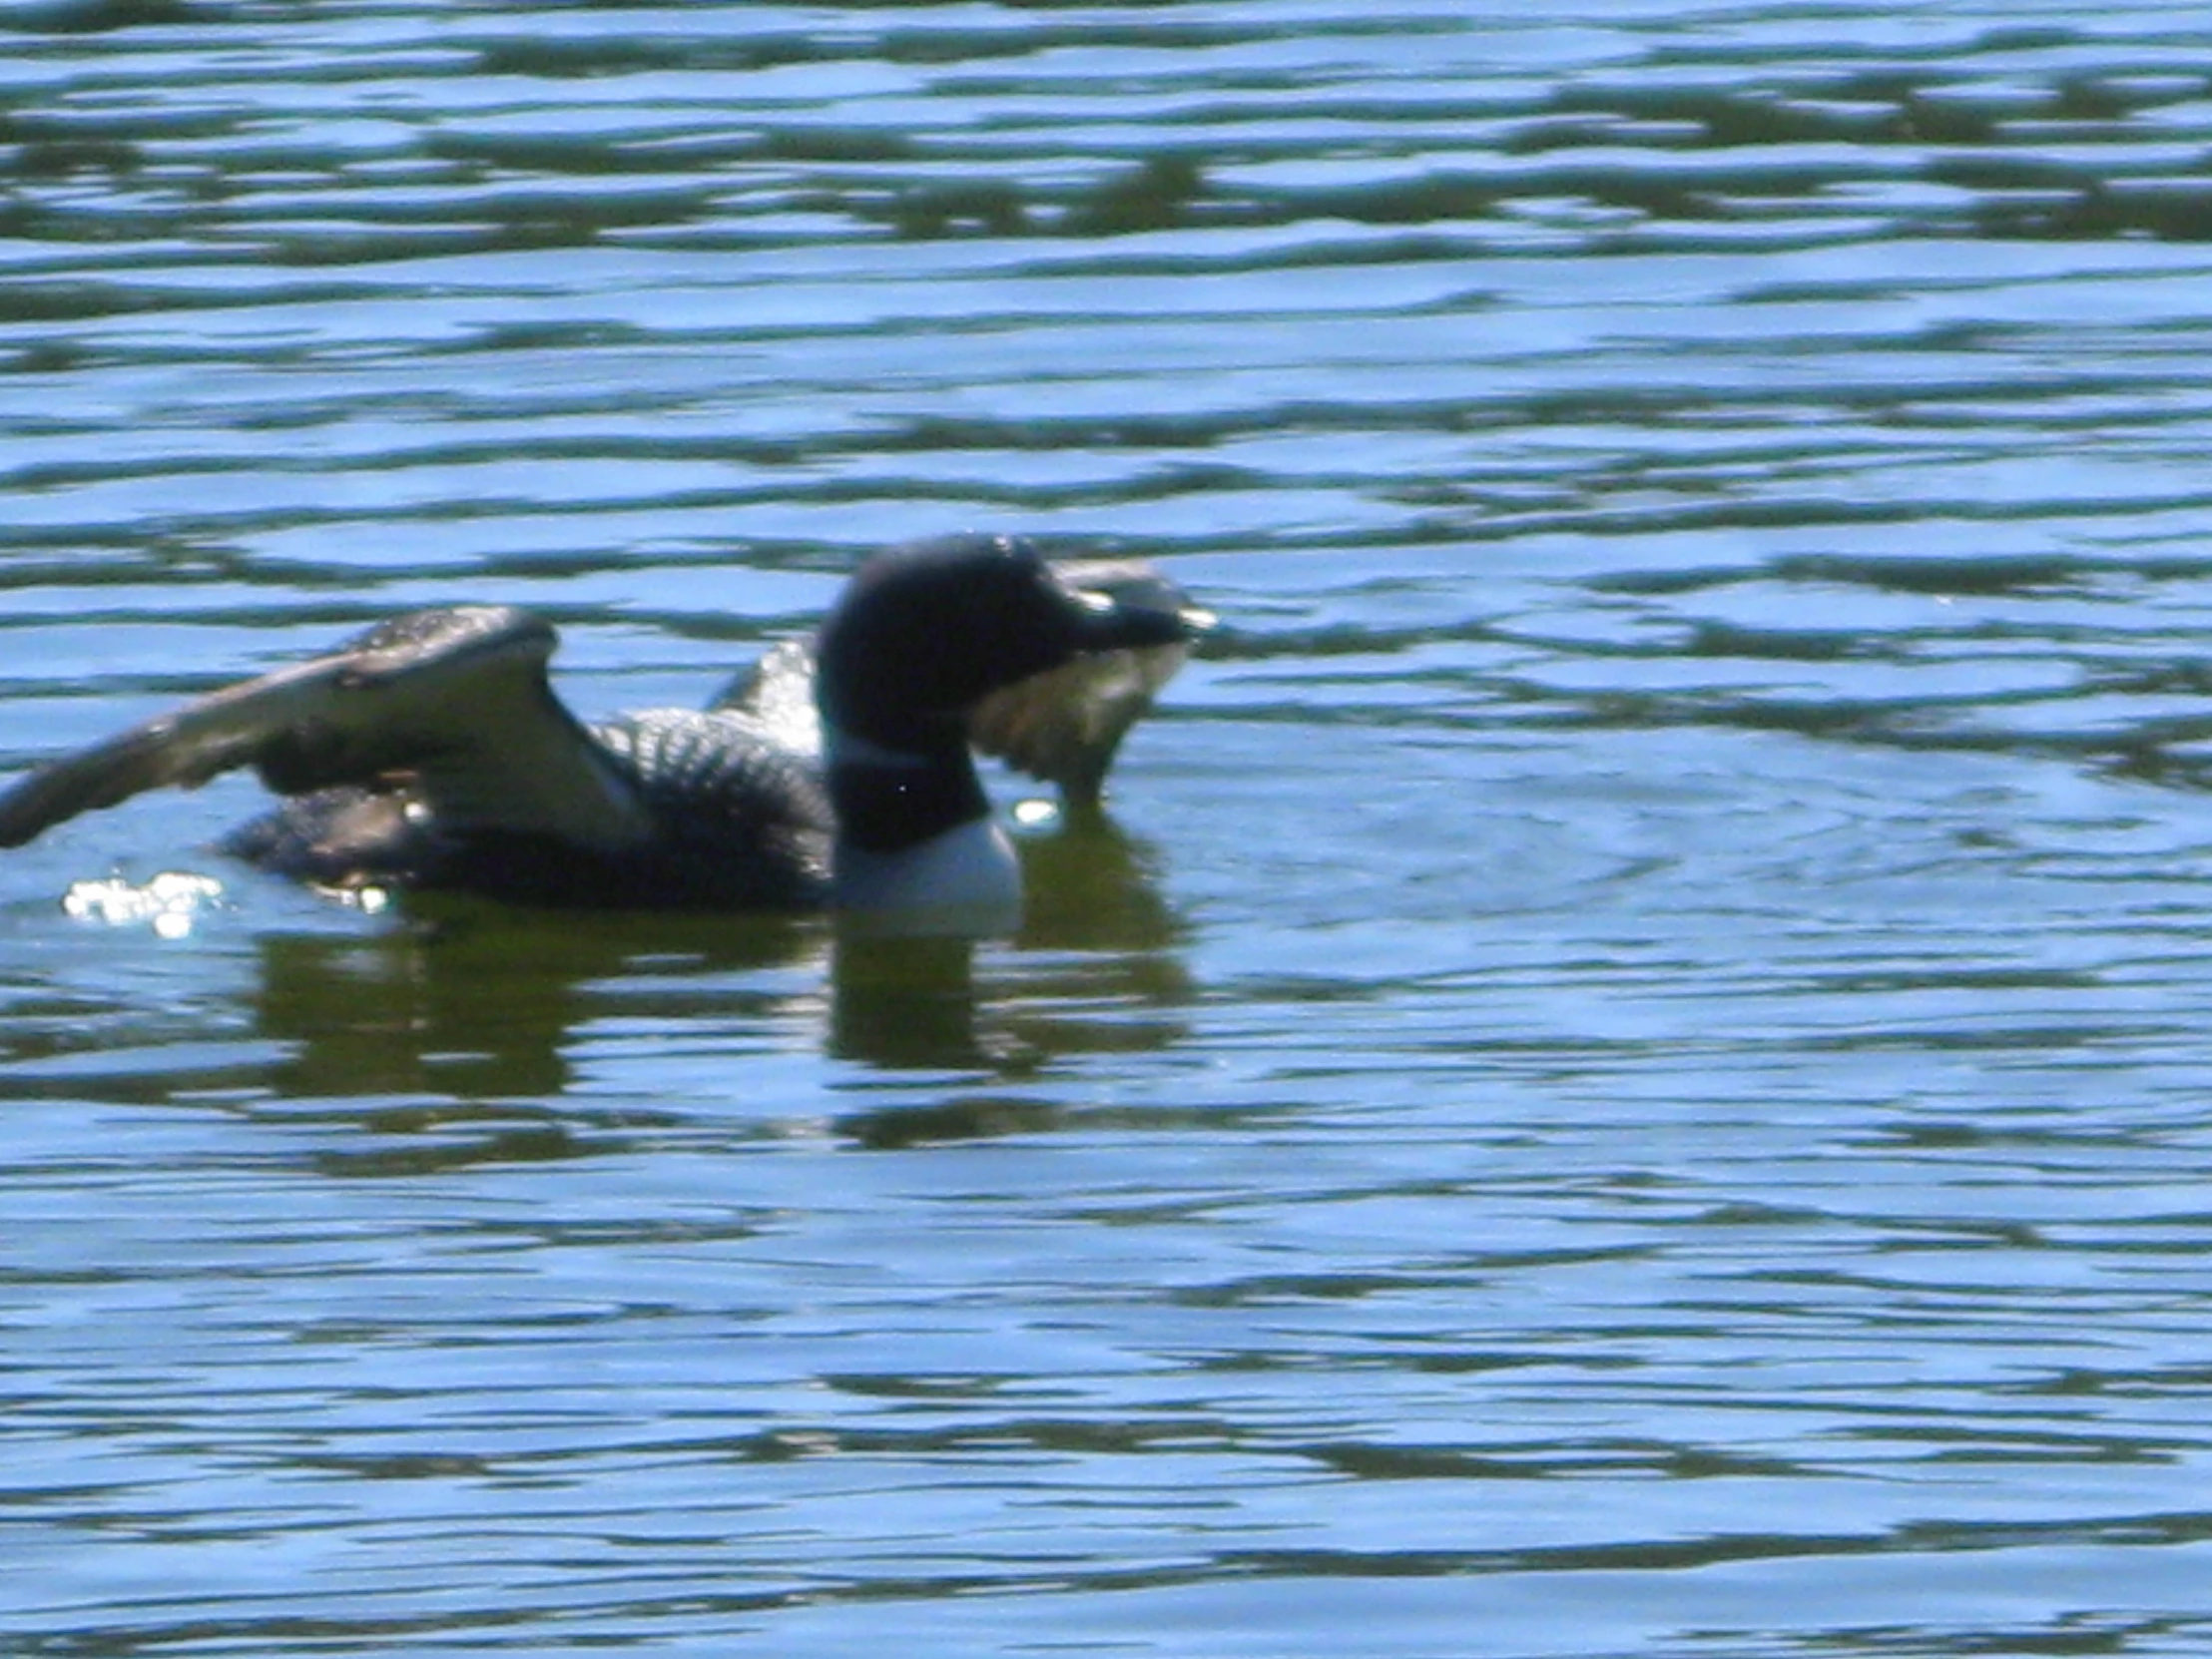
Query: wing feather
451, 704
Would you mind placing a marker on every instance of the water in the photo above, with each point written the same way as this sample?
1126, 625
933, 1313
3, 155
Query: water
1628, 1078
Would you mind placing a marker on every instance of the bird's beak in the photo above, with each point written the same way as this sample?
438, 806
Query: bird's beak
1108, 622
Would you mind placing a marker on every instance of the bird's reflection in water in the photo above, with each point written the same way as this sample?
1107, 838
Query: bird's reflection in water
479, 1000
909, 1004
455, 1036
1098, 935
479, 1017
1095, 968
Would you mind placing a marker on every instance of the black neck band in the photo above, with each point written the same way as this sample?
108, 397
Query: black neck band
891, 801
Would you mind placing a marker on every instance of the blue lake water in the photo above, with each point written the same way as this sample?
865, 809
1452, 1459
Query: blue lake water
1628, 1078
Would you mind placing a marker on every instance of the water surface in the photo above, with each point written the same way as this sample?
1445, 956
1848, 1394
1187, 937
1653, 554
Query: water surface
1626, 1076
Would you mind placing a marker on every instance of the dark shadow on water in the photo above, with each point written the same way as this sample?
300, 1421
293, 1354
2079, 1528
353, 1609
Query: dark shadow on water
479, 1001
1094, 887
473, 1015
907, 1004
1096, 968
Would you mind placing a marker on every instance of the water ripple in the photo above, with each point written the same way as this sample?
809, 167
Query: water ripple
1626, 1078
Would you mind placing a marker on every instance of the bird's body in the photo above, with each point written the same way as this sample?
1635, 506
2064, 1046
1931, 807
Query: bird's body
710, 815
431, 753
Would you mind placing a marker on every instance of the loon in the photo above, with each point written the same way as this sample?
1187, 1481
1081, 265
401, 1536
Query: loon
431, 753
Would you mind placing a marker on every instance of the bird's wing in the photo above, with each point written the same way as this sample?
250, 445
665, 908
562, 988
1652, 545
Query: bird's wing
452, 704
1064, 726
779, 692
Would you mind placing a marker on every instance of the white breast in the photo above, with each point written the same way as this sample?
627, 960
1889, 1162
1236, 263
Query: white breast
966, 881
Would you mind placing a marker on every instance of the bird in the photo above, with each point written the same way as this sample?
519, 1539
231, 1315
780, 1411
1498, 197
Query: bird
430, 752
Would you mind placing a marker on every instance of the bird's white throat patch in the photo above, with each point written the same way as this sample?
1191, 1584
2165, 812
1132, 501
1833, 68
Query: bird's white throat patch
966, 879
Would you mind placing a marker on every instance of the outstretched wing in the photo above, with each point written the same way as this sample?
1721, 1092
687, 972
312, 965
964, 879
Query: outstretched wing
1065, 727
452, 705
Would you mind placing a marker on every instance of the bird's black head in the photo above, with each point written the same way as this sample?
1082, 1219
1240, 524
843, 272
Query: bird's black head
922, 633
